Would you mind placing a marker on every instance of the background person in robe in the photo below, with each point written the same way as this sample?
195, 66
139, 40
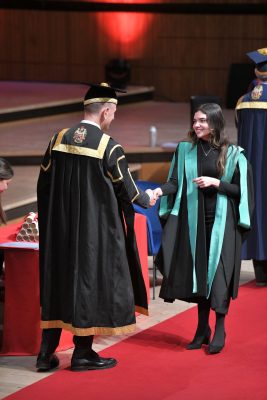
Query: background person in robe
91, 280
6, 174
251, 118
200, 253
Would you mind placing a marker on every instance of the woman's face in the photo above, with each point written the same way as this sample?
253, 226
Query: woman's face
201, 126
4, 184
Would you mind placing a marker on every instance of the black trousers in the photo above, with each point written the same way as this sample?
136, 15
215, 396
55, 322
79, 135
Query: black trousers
260, 268
51, 337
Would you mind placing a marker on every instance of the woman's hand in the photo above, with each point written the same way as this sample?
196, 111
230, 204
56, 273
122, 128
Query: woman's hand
154, 195
152, 199
206, 181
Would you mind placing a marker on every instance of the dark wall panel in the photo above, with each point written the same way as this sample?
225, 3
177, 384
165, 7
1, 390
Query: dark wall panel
180, 54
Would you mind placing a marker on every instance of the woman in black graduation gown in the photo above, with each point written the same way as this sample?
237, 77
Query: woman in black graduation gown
207, 204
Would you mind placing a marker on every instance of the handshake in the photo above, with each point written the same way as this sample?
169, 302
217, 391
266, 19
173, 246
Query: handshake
154, 195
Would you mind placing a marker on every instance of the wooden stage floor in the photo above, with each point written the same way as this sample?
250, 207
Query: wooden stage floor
30, 136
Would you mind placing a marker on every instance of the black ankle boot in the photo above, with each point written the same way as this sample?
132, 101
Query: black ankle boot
217, 348
199, 340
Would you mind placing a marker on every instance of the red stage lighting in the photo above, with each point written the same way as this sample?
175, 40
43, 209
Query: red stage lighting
126, 28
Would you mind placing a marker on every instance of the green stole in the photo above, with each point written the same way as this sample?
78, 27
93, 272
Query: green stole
187, 167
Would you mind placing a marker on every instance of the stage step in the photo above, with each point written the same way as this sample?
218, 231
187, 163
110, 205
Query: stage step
39, 99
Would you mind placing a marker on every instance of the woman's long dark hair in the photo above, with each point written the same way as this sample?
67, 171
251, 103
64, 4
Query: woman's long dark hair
218, 139
6, 172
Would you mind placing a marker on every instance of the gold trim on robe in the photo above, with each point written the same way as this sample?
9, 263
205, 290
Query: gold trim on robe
137, 191
82, 151
120, 178
252, 104
141, 310
96, 330
43, 167
113, 148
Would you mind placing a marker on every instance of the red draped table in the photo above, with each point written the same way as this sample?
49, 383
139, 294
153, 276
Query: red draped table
21, 326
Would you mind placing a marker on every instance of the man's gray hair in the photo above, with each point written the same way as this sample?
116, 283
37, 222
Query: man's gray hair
94, 108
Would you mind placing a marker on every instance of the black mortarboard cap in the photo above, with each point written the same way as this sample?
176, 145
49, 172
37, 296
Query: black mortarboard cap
258, 56
101, 93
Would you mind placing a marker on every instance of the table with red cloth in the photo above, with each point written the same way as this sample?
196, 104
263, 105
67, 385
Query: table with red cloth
21, 325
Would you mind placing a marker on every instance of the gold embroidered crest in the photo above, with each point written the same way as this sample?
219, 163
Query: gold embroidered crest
257, 92
80, 135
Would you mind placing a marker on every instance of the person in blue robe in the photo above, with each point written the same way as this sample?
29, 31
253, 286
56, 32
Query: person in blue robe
251, 119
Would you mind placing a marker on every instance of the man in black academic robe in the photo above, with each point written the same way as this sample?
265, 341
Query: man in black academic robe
90, 275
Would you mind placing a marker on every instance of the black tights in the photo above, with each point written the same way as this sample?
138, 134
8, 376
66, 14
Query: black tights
203, 316
203, 322
219, 334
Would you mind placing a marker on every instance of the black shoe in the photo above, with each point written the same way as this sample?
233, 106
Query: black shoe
217, 348
258, 283
92, 361
260, 269
45, 361
198, 341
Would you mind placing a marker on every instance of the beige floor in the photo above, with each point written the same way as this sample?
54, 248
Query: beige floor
18, 372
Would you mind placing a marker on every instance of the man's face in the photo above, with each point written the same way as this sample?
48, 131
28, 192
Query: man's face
107, 116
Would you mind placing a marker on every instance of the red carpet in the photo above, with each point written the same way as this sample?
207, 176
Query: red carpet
154, 365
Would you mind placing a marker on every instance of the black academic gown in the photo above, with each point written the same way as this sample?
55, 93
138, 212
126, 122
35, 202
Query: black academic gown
174, 259
90, 275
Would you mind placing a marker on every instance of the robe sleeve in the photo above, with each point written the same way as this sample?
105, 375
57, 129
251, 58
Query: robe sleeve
171, 186
43, 194
118, 171
44, 179
250, 196
231, 189
251, 200
43, 184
